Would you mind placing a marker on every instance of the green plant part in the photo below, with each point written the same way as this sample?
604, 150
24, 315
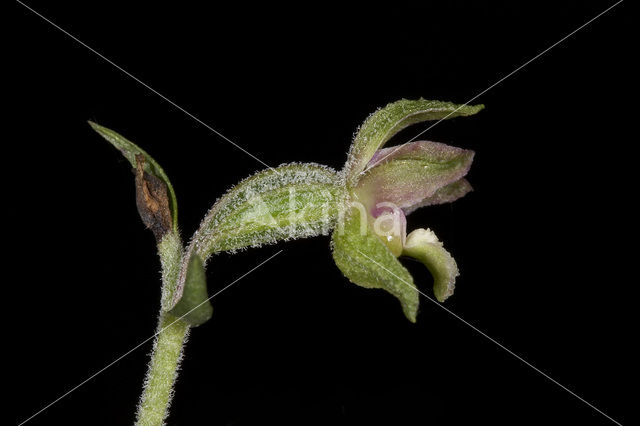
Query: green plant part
363, 206
289, 202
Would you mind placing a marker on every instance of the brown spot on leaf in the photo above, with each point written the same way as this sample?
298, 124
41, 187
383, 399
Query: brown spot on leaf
152, 200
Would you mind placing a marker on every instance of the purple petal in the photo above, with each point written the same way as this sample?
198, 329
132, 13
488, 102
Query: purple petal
409, 174
446, 194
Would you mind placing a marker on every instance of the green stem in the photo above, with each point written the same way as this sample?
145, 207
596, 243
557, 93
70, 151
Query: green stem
165, 360
168, 346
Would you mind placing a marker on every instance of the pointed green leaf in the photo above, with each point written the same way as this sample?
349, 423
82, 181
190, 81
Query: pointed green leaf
413, 172
366, 261
292, 201
132, 153
422, 244
380, 126
194, 306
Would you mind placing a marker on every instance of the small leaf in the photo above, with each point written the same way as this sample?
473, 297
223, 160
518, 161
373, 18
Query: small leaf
414, 171
422, 244
194, 306
292, 201
446, 194
380, 126
366, 261
133, 153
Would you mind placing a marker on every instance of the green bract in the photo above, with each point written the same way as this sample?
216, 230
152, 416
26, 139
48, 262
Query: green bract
289, 202
194, 306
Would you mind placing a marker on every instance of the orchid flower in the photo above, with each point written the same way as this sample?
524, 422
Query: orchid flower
386, 184
363, 206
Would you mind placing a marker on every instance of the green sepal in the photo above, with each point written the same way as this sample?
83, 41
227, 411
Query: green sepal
380, 126
366, 261
289, 202
422, 244
194, 306
130, 150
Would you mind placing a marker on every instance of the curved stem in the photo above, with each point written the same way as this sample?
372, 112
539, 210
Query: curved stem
171, 337
163, 370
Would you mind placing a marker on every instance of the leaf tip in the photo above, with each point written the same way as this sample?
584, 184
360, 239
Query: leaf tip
411, 314
95, 126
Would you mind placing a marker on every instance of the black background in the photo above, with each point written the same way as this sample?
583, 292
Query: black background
545, 243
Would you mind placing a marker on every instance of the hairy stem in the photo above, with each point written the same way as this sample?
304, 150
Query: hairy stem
171, 336
163, 370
